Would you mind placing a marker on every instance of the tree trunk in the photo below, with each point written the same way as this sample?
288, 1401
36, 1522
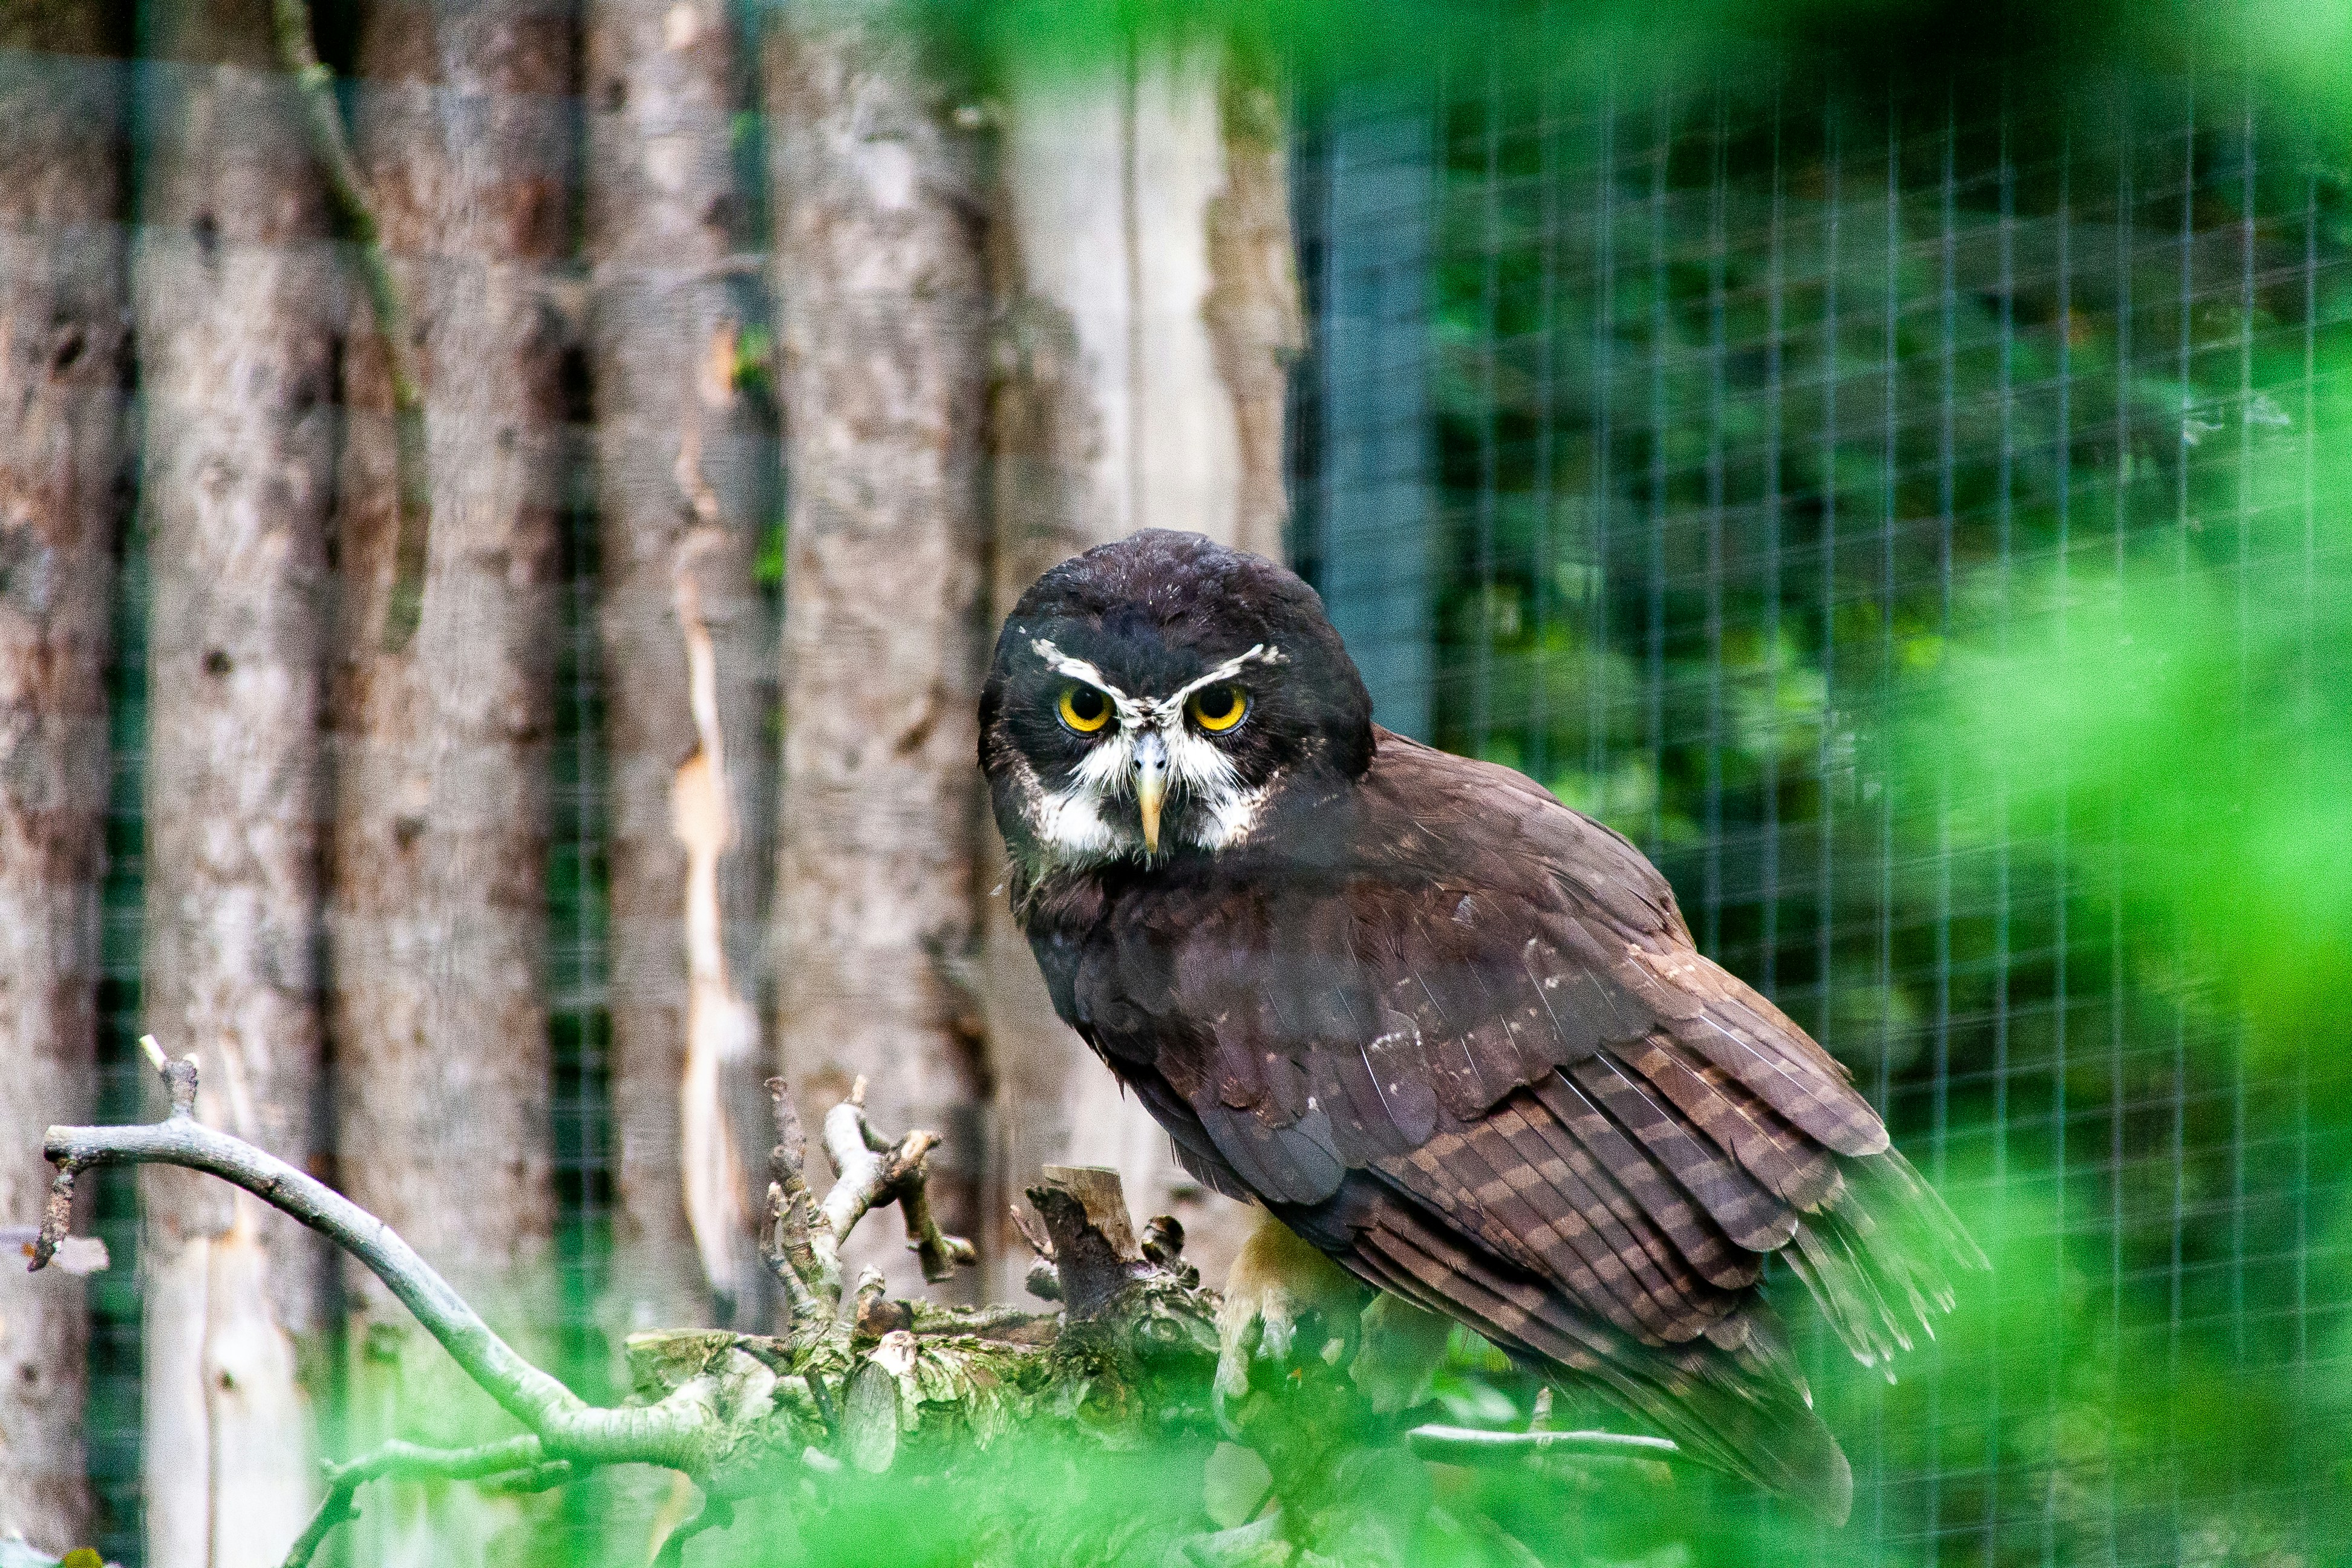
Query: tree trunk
683, 467
1153, 309
61, 350
440, 836
882, 303
236, 297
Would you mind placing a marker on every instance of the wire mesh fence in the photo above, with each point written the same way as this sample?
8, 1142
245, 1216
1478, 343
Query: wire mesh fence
1763, 409
1687, 445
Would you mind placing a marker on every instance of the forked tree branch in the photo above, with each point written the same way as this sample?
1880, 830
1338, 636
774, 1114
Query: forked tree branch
697, 1427
874, 1171
541, 1402
803, 1237
516, 1465
727, 1409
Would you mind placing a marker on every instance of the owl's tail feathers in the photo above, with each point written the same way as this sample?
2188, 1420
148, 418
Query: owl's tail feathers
1775, 1441
1730, 1399
1880, 1257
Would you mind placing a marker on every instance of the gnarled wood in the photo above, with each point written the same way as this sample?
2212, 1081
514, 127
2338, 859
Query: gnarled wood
748, 1416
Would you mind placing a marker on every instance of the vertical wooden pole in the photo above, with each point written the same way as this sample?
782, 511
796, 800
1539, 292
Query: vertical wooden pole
61, 360
685, 457
883, 314
237, 304
438, 908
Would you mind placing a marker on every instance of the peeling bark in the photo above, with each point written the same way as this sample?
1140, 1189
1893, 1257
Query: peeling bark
683, 464
722, 1030
438, 912
882, 305
1140, 383
61, 347
237, 301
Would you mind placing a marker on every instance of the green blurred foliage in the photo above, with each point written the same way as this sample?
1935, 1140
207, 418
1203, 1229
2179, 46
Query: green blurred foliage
2195, 718
1950, 592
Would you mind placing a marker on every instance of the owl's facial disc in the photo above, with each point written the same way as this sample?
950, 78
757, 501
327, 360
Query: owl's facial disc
1162, 751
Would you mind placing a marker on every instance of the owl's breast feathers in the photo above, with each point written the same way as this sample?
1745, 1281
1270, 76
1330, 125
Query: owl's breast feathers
1458, 1037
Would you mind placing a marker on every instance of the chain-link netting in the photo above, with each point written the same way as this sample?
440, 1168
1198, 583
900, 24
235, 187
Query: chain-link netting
1779, 426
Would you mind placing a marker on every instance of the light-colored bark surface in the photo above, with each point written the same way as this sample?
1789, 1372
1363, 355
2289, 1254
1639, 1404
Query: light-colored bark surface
684, 461
683, 467
882, 303
237, 297
1253, 310
61, 347
1152, 310
438, 913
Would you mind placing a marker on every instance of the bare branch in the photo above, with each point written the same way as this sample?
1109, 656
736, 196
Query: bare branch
872, 1172
528, 1394
57, 1216
75, 1253
1476, 1447
715, 1514
1090, 1238
518, 1464
675, 1433
785, 1237
938, 1252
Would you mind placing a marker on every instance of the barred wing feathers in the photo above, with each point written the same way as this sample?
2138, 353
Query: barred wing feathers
1469, 1047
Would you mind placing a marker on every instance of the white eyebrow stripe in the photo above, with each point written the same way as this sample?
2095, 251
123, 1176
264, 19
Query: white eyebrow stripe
1131, 710
1169, 706
1162, 712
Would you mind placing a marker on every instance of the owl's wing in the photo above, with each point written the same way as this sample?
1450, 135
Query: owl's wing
1477, 1057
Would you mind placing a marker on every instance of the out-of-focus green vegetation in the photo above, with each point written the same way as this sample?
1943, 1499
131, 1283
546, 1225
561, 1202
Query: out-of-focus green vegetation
1949, 586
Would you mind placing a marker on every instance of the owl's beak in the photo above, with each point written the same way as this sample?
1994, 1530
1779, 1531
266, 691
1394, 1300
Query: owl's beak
1150, 785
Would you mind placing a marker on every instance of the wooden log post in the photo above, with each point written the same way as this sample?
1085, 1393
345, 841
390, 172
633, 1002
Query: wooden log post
684, 460
61, 364
882, 311
238, 303
439, 900
685, 451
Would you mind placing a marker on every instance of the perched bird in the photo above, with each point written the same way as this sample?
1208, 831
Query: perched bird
1448, 1031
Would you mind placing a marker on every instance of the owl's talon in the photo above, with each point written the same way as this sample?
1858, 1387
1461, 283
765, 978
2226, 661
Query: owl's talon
1281, 1291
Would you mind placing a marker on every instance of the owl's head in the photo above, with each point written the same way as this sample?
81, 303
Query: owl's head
1163, 696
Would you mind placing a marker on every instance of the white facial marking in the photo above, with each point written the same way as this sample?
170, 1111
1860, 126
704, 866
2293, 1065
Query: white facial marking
1071, 819
1225, 671
1131, 711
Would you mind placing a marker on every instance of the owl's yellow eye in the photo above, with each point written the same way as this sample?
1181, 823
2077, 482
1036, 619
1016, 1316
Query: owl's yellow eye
1083, 710
1219, 708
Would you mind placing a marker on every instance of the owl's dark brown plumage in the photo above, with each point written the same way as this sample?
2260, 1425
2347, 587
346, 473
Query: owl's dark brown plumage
1448, 1030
